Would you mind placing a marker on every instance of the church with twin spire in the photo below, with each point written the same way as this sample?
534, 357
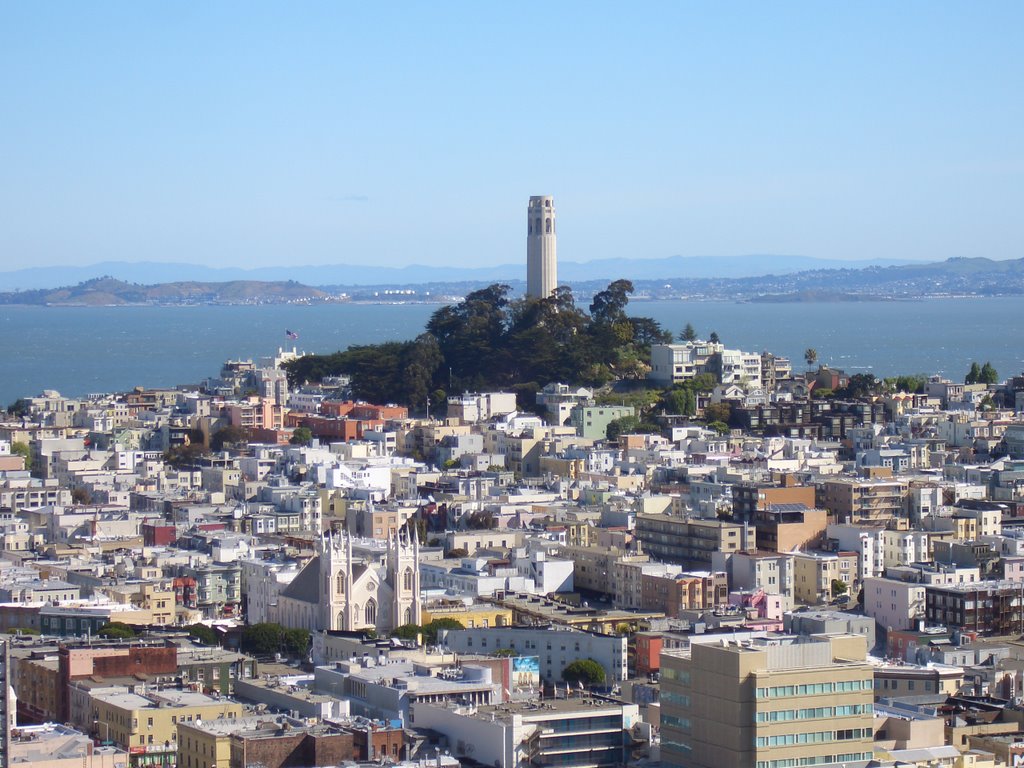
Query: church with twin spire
336, 591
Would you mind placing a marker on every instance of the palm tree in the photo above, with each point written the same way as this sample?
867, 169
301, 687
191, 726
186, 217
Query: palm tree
811, 356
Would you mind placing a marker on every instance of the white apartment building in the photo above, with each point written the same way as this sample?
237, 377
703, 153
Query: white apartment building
471, 407
555, 649
894, 604
771, 572
673, 363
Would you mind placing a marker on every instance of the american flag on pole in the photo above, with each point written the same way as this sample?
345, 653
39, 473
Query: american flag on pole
291, 334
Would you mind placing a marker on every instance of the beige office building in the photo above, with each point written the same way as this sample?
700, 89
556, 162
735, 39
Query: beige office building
774, 702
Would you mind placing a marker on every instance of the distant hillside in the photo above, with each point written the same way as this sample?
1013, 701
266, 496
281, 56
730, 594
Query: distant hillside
969, 277
107, 291
151, 273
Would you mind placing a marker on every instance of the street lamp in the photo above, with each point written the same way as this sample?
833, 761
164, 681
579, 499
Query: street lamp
96, 723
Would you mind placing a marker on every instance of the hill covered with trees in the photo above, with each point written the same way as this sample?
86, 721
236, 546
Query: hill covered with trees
491, 341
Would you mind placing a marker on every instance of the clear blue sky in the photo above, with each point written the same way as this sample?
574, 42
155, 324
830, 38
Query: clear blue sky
250, 134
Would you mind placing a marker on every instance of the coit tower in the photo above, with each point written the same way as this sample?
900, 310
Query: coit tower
541, 260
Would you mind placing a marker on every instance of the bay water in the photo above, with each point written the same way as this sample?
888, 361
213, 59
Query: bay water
80, 350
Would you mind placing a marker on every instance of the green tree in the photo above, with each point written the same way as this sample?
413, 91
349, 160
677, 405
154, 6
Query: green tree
229, 435
688, 333
609, 305
203, 634
262, 639
407, 631
678, 400
713, 338
586, 671
301, 436
703, 382
81, 496
906, 383
621, 426
988, 375
296, 642
480, 520
719, 426
839, 587
811, 356
179, 456
718, 412
973, 375
860, 385
116, 630
430, 629
470, 334
20, 408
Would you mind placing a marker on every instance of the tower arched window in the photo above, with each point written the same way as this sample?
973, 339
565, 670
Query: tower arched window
407, 579
371, 612
529, 227
340, 584
547, 226
408, 616
536, 226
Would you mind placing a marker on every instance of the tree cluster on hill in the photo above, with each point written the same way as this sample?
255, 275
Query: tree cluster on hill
492, 341
428, 631
268, 638
985, 374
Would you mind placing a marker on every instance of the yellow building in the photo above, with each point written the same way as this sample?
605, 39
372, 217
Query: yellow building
470, 616
157, 599
147, 724
893, 680
202, 746
815, 572
767, 703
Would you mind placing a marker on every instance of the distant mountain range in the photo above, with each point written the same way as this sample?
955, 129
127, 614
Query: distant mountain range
149, 273
979, 277
107, 291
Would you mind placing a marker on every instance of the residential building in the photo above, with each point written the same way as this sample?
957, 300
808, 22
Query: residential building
894, 604
59, 746
689, 542
817, 575
591, 421
147, 724
554, 648
850, 500
585, 731
984, 607
675, 363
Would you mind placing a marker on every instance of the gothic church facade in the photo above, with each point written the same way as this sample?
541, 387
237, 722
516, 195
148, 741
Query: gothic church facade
334, 591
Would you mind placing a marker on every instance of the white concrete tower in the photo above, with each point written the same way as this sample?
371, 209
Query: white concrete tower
541, 258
